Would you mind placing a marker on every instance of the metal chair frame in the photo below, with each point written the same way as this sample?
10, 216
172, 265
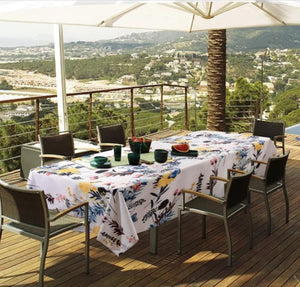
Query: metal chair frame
59, 146
273, 180
25, 212
208, 205
273, 130
110, 136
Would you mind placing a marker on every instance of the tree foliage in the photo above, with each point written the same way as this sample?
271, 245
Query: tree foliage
286, 106
4, 85
244, 103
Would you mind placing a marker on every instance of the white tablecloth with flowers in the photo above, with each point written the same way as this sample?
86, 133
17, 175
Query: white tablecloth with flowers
125, 200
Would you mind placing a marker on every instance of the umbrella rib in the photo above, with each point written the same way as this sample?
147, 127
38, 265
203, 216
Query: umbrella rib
208, 13
193, 18
227, 7
182, 7
109, 21
261, 7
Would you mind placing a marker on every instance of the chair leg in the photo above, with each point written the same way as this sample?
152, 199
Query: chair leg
179, 232
87, 248
0, 233
287, 209
44, 248
250, 227
1, 222
153, 240
203, 226
228, 241
268, 213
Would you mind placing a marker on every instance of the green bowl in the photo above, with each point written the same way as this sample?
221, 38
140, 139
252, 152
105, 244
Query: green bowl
100, 160
160, 155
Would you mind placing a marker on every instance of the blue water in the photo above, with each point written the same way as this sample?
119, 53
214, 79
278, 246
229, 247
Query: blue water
294, 130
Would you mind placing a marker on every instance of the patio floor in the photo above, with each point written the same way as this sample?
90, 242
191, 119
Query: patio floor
273, 261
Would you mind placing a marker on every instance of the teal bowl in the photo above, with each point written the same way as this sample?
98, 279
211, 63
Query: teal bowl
100, 160
160, 155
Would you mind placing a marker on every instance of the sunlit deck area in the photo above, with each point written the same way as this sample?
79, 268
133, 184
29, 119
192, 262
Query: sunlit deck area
273, 261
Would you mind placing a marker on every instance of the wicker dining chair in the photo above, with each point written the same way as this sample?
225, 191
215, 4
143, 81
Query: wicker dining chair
59, 146
273, 130
25, 212
236, 199
111, 135
273, 180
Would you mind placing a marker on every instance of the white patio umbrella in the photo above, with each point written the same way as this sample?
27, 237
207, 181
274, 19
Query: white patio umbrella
162, 15
158, 15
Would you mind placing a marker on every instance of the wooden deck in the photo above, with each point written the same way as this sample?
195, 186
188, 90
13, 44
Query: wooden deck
274, 260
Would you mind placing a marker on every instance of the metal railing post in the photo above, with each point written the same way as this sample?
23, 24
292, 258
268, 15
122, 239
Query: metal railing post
37, 118
161, 107
90, 115
132, 128
186, 112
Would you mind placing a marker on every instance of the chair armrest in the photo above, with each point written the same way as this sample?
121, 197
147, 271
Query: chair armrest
88, 149
258, 161
236, 170
219, 178
229, 170
203, 195
258, 177
279, 138
110, 144
64, 212
53, 156
213, 177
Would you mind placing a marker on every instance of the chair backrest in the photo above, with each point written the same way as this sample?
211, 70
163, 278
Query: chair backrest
268, 129
111, 134
61, 144
237, 189
275, 169
22, 205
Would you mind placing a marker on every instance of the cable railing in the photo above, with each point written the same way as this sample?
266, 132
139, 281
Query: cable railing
142, 109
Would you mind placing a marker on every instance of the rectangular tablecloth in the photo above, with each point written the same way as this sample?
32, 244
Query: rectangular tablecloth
125, 200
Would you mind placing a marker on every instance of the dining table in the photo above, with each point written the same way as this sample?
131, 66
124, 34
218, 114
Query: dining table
125, 200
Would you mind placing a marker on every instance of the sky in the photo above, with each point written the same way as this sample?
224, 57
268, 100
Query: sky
25, 34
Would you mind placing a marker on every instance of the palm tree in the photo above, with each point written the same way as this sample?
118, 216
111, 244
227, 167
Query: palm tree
216, 80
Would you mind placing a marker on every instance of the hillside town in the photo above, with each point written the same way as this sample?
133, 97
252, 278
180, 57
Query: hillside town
181, 64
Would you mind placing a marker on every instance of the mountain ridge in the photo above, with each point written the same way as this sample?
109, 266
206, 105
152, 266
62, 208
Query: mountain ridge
238, 40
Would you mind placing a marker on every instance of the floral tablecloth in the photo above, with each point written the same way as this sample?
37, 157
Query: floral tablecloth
125, 200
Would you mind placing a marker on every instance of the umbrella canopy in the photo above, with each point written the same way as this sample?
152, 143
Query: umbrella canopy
163, 15
196, 16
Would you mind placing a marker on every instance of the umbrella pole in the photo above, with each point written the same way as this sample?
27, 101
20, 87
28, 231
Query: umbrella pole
60, 78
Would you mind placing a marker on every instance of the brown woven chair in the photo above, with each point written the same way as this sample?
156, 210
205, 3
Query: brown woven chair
111, 135
60, 146
273, 180
273, 130
24, 211
236, 199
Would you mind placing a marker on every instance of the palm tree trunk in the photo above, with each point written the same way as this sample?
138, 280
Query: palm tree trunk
216, 80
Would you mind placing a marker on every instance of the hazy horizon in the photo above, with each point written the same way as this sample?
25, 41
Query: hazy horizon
25, 34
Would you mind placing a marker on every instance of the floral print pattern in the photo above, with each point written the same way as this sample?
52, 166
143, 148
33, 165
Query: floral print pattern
125, 200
